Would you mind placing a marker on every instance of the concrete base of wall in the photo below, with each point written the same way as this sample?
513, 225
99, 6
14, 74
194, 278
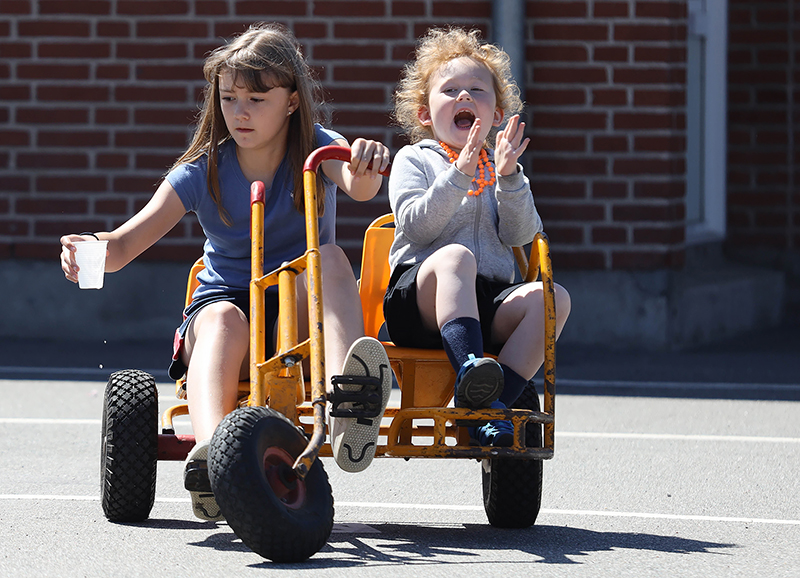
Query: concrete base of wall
648, 310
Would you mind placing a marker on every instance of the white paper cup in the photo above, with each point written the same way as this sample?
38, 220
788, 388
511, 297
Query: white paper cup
91, 259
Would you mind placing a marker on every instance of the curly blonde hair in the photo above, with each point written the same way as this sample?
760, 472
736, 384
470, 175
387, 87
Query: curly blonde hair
438, 47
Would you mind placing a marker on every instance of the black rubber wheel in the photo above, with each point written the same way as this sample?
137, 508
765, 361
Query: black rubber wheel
129, 448
276, 515
512, 488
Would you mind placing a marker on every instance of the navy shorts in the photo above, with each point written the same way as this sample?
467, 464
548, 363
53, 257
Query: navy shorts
241, 299
404, 322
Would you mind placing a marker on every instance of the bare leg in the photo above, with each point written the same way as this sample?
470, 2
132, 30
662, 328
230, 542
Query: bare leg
216, 352
519, 323
446, 286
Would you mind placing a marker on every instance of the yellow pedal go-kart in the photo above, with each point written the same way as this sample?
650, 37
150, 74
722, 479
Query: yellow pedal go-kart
263, 466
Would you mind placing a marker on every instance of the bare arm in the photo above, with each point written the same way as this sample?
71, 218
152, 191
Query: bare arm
354, 178
133, 237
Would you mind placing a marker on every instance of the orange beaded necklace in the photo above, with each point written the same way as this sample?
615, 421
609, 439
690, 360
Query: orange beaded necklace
483, 164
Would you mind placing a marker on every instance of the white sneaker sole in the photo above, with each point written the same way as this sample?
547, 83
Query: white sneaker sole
354, 441
204, 504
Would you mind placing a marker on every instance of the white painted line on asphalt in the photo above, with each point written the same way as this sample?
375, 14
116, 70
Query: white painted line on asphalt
678, 437
47, 421
456, 508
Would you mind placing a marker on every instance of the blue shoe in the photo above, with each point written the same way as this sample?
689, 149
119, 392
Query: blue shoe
479, 382
497, 433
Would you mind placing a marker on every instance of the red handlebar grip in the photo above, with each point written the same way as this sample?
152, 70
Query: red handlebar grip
257, 192
332, 153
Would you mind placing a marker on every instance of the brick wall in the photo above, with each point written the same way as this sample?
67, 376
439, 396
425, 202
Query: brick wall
97, 97
764, 125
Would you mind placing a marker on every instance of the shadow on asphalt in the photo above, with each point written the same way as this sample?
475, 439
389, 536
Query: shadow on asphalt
399, 544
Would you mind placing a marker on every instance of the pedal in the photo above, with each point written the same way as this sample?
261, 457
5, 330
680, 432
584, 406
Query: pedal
368, 400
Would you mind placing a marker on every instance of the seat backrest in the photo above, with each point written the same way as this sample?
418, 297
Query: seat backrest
375, 272
192, 283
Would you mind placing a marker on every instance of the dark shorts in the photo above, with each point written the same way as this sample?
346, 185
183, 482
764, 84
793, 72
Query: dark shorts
404, 322
240, 299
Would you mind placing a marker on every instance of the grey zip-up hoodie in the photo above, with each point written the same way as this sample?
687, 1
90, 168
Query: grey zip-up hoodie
428, 196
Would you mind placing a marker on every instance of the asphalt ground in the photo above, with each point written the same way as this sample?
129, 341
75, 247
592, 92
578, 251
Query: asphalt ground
669, 464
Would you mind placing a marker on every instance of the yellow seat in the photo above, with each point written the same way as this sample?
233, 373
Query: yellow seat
425, 376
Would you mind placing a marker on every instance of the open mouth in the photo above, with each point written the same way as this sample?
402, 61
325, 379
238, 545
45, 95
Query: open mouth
464, 119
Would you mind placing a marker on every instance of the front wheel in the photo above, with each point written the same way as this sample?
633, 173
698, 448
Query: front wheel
512, 488
129, 447
277, 515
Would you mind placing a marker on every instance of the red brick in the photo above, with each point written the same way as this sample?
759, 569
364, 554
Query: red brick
544, 189
610, 54
336, 8
14, 228
555, 142
165, 116
14, 92
554, 96
557, 53
72, 138
113, 29
604, 9
52, 161
170, 72
582, 211
88, 7
113, 72
461, 9
15, 49
112, 161
14, 138
330, 51
147, 50
45, 115
111, 207
53, 28
310, 29
609, 97
570, 120
375, 74
757, 36
40, 206
139, 93
134, 184
71, 93
659, 54
661, 98
149, 139
53, 71
569, 75
671, 10
634, 75
649, 166
15, 7
557, 9
649, 32
638, 212
605, 235
561, 234
608, 143
650, 143
585, 32
171, 29
74, 50
111, 115
408, 8
609, 190
273, 8
66, 183
659, 235
211, 7
646, 259
160, 8
644, 120
378, 30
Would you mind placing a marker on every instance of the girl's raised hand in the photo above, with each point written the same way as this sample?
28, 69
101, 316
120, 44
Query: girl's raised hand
467, 161
509, 146
363, 152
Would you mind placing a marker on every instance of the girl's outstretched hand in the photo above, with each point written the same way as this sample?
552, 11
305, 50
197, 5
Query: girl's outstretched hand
68, 264
363, 152
509, 146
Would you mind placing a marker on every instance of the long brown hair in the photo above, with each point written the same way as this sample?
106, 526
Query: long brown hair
266, 51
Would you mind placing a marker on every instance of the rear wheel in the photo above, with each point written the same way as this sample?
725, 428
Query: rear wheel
129, 448
512, 488
277, 515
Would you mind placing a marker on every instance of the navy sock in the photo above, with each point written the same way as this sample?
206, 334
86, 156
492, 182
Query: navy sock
514, 383
462, 336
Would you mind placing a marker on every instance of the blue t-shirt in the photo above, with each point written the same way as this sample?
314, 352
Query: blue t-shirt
226, 252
